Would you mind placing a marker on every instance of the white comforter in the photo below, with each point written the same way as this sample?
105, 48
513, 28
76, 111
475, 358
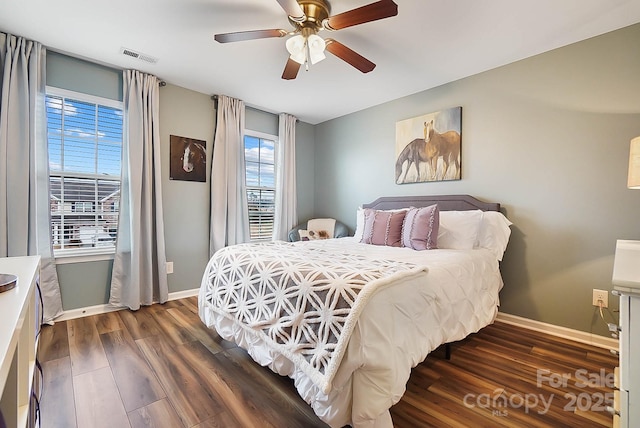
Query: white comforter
396, 330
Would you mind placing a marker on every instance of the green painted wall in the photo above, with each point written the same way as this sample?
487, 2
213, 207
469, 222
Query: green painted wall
261, 121
548, 137
305, 170
74, 74
84, 284
186, 203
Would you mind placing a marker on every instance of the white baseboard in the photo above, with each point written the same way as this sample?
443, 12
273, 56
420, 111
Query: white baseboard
183, 294
86, 312
558, 331
103, 309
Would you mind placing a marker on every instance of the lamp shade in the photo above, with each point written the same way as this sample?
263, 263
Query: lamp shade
626, 264
634, 164
296, 47
316, 48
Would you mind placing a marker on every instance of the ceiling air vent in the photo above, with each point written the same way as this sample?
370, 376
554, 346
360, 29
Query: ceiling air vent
138, 55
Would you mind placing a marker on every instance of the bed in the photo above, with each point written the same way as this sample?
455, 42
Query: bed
347, 319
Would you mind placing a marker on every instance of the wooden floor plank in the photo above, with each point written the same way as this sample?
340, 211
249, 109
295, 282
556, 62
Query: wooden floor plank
231, 399
598, 418
222, 420
524, 384
98, 403
597, 357
58, 410
247, 390
159, 414
208, 382
192, 402
140, 323
521, 335
191, 303
169, 327
169, 304
403, 417
54, 342
85, 348
108, 322
284, 397
449, 411
136, 381
208, 337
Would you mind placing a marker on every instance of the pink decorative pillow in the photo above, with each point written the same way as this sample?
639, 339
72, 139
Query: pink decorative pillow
383, 227
420, 228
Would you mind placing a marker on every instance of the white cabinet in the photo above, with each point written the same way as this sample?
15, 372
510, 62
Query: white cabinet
629, 403
626, 282
18, 345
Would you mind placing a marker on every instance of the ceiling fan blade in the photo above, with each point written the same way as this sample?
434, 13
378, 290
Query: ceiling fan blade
371, 12
291, 70
349, 55
293, 9
249, 35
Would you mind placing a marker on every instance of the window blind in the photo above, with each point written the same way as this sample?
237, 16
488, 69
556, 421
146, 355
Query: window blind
85, 149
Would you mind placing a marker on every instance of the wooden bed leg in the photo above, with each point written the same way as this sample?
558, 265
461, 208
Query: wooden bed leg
447, 351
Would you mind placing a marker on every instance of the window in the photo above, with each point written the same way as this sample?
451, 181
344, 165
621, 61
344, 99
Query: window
84, 207
259, 155
85, 146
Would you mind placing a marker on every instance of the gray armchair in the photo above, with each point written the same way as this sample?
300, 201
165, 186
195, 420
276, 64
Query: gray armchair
340, 230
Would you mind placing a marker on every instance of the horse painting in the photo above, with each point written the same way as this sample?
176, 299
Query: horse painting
436, 156
447, 147
188, 159
414, 153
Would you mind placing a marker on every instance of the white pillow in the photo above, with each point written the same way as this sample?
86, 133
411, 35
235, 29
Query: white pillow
494, 233
459, 229
359, 233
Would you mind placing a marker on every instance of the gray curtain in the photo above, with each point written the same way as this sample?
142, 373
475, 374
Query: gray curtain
286, 216
24, 168
229, 216
139, 267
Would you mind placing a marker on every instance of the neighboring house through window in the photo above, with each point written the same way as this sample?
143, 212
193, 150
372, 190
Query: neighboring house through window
84, 135
260, 167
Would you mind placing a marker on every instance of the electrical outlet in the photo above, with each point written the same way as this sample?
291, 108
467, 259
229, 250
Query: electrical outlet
600, 296
169, 267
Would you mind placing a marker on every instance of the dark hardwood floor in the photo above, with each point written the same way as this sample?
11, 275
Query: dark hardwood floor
160, 367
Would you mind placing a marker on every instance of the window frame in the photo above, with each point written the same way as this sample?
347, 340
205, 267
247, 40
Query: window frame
75, 255
276, 147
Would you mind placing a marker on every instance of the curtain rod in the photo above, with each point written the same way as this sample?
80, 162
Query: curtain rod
214, 97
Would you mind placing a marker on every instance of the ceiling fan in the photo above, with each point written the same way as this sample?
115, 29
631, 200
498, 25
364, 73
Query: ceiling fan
308, 18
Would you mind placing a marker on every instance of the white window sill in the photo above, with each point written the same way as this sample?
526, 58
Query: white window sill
82, 256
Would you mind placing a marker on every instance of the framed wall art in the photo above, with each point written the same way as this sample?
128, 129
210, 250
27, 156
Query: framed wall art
428, 147
188, 159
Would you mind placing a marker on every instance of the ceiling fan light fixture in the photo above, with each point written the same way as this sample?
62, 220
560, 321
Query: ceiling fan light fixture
306, 49
296, 46
316, 46
308, 17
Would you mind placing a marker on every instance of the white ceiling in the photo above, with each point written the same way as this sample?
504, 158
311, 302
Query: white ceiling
429, 43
